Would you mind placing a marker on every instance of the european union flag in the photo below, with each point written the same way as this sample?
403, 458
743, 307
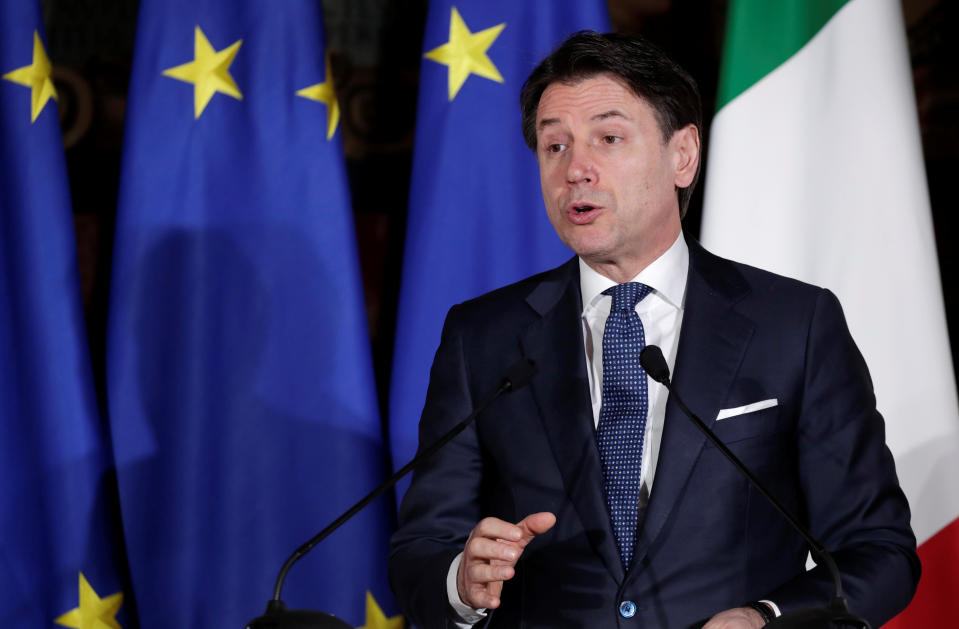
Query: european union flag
57, 563
476, 218
240, 381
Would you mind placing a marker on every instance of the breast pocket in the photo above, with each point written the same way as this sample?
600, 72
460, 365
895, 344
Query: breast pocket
763, 440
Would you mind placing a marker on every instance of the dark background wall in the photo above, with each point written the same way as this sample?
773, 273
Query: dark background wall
376, 47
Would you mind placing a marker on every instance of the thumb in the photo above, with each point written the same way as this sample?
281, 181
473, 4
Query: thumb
535, 524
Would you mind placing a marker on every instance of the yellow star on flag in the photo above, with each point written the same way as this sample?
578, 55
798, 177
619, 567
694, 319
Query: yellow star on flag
94, 612
324, 93
465, 53
209, 72
376, 619
36, 76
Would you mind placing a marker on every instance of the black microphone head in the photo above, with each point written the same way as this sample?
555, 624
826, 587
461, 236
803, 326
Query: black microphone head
652, 360
277, 616
519, 374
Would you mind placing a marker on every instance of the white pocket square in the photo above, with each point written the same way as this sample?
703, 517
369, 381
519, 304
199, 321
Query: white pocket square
749, 408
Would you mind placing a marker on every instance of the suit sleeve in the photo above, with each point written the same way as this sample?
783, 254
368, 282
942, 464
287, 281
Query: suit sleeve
442, 504
854, 505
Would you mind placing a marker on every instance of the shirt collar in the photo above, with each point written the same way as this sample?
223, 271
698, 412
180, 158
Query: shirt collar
666, 275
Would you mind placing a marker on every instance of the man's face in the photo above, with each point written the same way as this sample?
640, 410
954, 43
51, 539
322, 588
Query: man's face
609, 181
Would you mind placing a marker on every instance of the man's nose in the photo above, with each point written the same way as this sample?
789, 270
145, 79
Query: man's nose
581, 168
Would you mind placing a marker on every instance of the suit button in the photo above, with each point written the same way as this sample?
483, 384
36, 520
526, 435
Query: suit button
627, 609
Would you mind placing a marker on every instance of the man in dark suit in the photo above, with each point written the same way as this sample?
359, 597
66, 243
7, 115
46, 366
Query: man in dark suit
586, 499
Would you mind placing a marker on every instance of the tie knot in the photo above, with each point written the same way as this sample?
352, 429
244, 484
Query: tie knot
626, 296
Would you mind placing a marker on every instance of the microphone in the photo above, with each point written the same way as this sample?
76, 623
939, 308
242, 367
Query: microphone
836, 613
276, 616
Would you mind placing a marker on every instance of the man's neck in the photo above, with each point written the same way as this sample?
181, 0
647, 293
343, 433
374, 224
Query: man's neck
624, 269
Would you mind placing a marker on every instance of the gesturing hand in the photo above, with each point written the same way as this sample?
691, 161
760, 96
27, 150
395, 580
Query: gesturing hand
737, 618
493, 548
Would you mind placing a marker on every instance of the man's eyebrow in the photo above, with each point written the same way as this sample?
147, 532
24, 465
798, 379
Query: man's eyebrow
545, 122
612, 113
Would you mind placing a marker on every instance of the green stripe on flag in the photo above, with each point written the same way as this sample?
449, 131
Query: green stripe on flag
762, 34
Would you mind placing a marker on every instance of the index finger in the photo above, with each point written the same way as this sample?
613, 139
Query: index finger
494, 528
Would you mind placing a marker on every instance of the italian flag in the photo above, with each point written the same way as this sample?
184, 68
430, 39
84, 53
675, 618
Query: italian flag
815, 171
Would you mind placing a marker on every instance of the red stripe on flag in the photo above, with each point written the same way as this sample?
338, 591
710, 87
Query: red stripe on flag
936, 603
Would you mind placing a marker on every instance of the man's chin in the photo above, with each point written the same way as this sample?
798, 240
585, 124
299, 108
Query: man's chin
590, 249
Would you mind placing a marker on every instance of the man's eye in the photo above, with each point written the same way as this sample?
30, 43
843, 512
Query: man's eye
611, 139
555, 148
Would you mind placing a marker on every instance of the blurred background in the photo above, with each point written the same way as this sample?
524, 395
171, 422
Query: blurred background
376, 48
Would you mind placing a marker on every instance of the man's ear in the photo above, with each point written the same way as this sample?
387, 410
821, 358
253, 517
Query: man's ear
685, 148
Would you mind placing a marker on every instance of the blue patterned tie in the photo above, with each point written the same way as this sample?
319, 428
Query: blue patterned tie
622, 417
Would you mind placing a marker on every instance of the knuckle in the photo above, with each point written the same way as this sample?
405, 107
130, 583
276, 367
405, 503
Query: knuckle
480, 573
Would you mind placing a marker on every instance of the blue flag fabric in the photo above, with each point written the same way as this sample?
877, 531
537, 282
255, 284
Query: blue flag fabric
240, 382
476, 218
56, 530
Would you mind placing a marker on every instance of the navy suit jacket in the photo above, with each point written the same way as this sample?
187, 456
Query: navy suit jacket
709, 541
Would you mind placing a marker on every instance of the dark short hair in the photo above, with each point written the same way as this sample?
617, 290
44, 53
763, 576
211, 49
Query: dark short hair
644, 68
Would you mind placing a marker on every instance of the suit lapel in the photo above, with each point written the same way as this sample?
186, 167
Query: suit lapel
561, 390
712, 342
